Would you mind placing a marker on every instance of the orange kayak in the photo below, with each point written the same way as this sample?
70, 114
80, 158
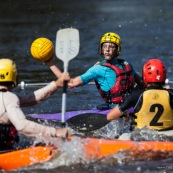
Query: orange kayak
25, 157
99, 148
94, 149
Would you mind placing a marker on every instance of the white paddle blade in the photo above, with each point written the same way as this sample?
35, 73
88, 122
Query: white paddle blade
67, 44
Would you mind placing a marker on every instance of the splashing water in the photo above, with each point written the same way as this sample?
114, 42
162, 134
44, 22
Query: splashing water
146, 134
114, 129
70, 152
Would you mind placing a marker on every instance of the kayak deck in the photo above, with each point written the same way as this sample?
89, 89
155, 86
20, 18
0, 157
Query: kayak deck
70, 114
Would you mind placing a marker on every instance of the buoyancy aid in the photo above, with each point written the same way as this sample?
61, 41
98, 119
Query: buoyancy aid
124, 82
8, 134
156, 112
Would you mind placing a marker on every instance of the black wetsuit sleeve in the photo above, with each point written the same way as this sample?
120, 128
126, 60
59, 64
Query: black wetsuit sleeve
130, 100
171, 97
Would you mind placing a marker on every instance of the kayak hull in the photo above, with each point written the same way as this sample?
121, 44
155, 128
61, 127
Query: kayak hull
99, 148
94, 149
25, 157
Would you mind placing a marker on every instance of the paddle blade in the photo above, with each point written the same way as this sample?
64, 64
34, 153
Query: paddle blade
67, 44
87, 122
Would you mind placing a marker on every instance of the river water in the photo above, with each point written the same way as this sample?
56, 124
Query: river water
145, 27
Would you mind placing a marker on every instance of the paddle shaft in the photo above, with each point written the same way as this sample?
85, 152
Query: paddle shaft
64, 98
23, 85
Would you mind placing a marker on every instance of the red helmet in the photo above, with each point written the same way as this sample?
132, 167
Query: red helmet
154, 71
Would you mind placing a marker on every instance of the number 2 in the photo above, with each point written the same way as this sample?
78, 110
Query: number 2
154, 121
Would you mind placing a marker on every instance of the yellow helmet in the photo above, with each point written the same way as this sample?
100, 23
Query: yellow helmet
42, 49
110, 37
8, 71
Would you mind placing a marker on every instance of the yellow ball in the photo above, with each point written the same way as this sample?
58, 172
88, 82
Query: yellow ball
42, 49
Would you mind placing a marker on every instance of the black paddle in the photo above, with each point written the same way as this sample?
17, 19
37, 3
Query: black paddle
87, 122
81, 123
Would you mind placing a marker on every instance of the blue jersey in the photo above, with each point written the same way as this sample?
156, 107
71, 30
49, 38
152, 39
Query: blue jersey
105, 76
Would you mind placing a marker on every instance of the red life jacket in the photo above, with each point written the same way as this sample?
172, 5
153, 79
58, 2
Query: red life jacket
8, 136
124, 83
